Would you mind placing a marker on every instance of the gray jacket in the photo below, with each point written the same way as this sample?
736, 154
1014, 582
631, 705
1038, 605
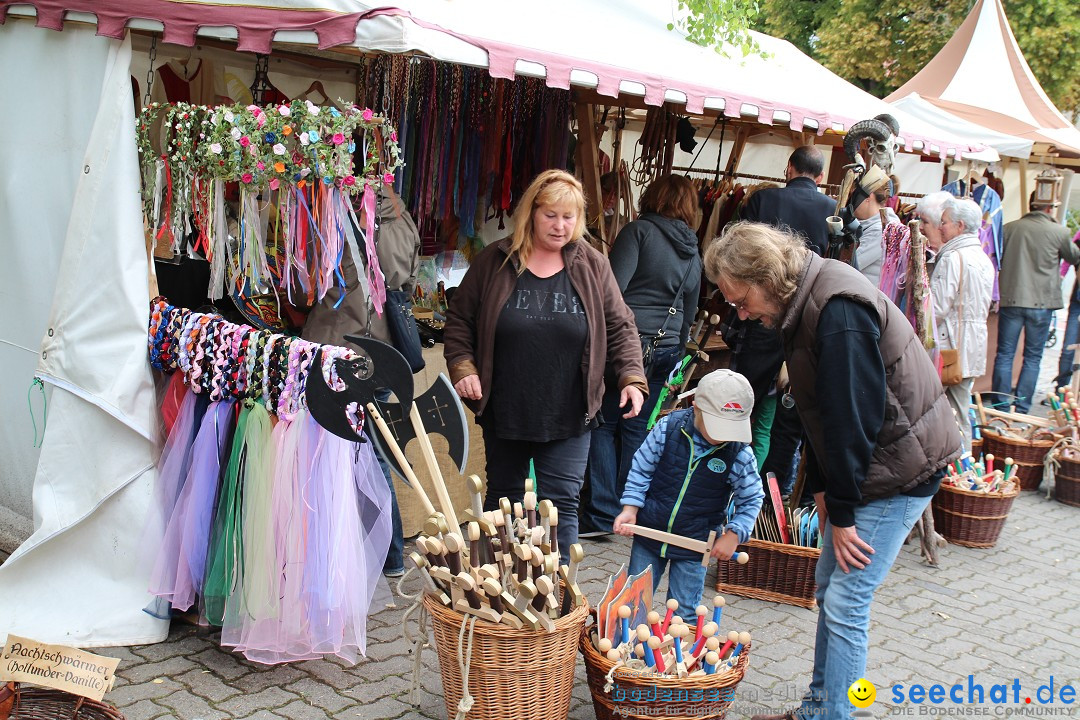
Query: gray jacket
650, 257
1034, 247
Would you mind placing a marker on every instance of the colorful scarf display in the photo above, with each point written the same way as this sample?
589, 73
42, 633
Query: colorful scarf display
273, 527
470, 143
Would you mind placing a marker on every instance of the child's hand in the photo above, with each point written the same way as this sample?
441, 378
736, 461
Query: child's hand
628, 515
725, 545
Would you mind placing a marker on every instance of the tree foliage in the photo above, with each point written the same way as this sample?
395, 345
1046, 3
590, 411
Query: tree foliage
880, 45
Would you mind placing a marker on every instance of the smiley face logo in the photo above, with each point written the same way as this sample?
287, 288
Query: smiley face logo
861, 693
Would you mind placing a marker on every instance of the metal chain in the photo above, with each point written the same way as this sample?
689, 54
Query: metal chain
261, 83
150, 72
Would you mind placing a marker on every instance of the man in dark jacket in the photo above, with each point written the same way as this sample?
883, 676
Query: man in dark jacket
800, 208
880, 429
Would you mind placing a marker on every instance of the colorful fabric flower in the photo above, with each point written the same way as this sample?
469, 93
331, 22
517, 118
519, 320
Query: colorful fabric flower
246, 177
367, 114
304, 139
287, 130
339, 138
313, 136
274, 184
229, 117
350, 180
279, 149
327, 180
393, 136
297, 158
284, 111
244, 141
279, 167
388, 178
312, 108
261, 165
215, 148
235, 132
271, 138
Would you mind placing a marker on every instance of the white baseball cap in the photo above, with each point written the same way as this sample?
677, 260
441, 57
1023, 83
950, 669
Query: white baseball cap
725, 400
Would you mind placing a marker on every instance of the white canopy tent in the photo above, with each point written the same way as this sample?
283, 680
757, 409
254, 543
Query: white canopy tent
73, 263
1004, 145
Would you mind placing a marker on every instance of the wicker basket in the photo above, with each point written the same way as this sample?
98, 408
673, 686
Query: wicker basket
776, 572
521, 674
34, 703
1067, 479
642, 695
971, 519
1027, 454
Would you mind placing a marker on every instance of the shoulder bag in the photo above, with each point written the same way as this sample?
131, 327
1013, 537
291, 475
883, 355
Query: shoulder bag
951, 369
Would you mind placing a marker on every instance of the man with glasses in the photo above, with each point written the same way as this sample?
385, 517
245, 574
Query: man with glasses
1030, 289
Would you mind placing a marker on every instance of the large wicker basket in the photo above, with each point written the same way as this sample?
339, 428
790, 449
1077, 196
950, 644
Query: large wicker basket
646, 695
776, 572
520, 674
972, 519
1027, 454
1067, 478
34, 703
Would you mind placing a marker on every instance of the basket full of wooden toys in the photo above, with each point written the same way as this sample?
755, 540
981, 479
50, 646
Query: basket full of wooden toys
665, 666
1025, 438
506, 614
974, 500
1064, 461
785, 546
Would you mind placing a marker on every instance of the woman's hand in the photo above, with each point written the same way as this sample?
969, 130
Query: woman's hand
468, 387
632, 395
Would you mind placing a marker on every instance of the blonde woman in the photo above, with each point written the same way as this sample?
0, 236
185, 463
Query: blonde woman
528, 334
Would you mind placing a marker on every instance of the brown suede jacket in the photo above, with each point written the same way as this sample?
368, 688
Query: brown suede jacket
469, 334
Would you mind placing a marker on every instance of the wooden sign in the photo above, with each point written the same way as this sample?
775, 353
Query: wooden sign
57, 667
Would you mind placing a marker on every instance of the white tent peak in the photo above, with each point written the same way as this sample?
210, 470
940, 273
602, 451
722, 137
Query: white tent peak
981, 76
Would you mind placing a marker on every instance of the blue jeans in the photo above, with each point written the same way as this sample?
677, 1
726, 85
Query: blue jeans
395, 555
1035, 322
560, 473
686, 581
1072, 336
844, 603
616, 440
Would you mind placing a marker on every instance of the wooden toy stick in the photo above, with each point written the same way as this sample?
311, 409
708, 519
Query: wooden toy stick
658, 657
672, 606
718, 609
701, 612
577, 554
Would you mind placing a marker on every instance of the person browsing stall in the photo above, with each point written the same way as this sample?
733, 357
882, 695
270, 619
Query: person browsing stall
656, 264
880, 429
684, 475
528, 335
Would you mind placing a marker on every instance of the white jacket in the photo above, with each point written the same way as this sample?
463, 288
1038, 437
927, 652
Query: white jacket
978, 288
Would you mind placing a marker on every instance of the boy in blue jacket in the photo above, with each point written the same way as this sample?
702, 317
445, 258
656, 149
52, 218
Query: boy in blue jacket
682, 478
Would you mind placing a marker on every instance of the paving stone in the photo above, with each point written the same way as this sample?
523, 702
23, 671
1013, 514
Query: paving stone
193, 707
320, 695
130, 693
206, 684
269, 699
186, 644
262, 715
330, 674
391, 686
142, 710
148, 671
224, 664
265, 677
301, 710
384, 709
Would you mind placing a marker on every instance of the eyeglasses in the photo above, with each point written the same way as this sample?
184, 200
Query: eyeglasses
741, 305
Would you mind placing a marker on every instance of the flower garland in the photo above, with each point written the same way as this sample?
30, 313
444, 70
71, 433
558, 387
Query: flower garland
296, 158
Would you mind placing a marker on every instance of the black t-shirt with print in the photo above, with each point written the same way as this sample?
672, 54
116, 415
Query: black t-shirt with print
537, 391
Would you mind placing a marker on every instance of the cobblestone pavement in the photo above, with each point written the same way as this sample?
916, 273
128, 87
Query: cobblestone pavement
998, 614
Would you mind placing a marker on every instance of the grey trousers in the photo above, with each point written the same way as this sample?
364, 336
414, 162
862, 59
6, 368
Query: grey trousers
959, 396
